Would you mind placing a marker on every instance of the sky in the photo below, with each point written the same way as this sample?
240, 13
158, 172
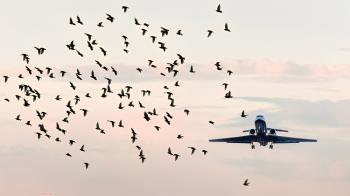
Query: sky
290, 63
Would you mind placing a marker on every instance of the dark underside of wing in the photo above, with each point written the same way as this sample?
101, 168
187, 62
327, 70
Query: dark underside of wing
282, 139
240, 139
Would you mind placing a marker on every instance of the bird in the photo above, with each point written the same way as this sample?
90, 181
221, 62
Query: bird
243, 115
229, 72
82, 148
228, 95
72, 85
120, 124
226, 28
136, 21
218, 9
146, 117
110, 18
25, 58
179, 136
186, 111
211, 122
40, 50
225, 85
191, 69
204, 152
179, 32
71, 21
125, 8
68, 155
182, 59
89, 36
79, 20
112, 122
169, 151
38, 134
84, 111
218, 66
86, 165
210, 32
71, 142
153, 38
100, 24
193, 149
71, 45
246, 183
104, 52
18, 117
176, 156
144, 31
5, 78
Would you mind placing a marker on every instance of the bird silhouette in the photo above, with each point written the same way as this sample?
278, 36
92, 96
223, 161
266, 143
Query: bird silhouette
246, 183
5, 78
243, 115
104, 52
179, 32
100, 24
226, 28
176, 156
79, 20
40, 50
71, 21
169, 151
192, 70
204, 152
110, 18
136, 21
225, 85
193, 149
218, 9
210, 32
18, 117
120, 124
179, 136
86, 165
82, 148
125, 8
84, 111
228, 95
71, 142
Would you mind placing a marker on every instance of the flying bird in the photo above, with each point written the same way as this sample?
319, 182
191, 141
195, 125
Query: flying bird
193, 149
218, 9
246, 183
125, 8
243, 115
226, 28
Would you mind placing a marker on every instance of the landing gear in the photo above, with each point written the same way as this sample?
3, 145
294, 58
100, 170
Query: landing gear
271, 146
253, 147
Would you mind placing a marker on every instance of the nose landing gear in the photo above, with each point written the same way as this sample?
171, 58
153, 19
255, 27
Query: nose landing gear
253, 146
271, 146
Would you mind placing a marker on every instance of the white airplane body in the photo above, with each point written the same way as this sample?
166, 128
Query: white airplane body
262, 135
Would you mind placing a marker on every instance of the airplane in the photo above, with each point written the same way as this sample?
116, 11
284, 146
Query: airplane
263, 135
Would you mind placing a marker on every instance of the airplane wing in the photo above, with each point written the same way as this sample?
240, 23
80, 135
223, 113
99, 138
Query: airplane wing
240, 139
280, 130
282, 139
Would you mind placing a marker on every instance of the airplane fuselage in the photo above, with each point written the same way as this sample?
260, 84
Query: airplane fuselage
261, 130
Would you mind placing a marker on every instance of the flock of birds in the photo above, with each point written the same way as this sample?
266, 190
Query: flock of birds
29, 95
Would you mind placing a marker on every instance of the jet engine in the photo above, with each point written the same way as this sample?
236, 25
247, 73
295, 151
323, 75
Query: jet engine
272, 131
252, 131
